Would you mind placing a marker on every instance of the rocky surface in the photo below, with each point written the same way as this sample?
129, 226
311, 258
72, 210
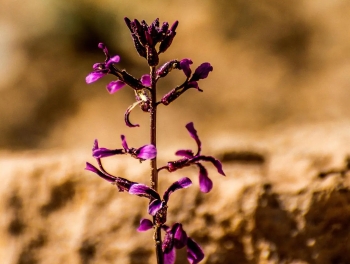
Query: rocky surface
286, 199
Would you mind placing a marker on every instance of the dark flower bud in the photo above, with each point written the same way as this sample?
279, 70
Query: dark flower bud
176, 92
202, 71
152, 56
139, 31
155, 23
153, 30
169, 97
164, 28
141, 50
128, 23
149, 38
165, 44
174, 26
167, 67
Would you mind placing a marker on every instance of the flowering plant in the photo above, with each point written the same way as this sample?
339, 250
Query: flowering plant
146, 39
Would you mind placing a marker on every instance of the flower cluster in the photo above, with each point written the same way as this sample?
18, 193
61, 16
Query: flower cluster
189, 158
145, 40
150, 41
147, 37
175, 238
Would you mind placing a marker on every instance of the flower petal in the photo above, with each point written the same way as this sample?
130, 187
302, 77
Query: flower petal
104, 152
187, 153
114, 59
127, 113
115, 86
124, 143
193, 134
147, 152
155, 206
185, 66
94, 76
144, 190
180, 236
194, 252
170, 256
180, 184
104, 176
146, 80
211, 159
205, 183
202, 71
104, 48
145, 225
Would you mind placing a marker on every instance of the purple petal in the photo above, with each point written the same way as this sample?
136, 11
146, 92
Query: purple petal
92, 168
147, 152
155, 206
103, 47
187, 153
180, 236
185, 66
202, 71
205, 184
127, 113
144, 190
169, 257
193, 134
194, 252
180, 184
114, 59
146, 80
168, 248
145, 225
124, 143
115, 86
104, 152
211, 159
94, 76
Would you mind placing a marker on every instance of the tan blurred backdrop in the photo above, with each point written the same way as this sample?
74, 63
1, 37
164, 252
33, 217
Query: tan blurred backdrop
276, 64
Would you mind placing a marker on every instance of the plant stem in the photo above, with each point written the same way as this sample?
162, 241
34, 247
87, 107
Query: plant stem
153, 131
154, 172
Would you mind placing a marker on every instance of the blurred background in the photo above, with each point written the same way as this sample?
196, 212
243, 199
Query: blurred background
276, 65
279, 93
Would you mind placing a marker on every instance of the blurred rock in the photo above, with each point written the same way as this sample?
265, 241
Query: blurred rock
277, 210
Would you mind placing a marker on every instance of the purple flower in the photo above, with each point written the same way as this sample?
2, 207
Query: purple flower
201, 72
102, 69
175, 238
158, 206
189, 158
142, 153
122, 184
